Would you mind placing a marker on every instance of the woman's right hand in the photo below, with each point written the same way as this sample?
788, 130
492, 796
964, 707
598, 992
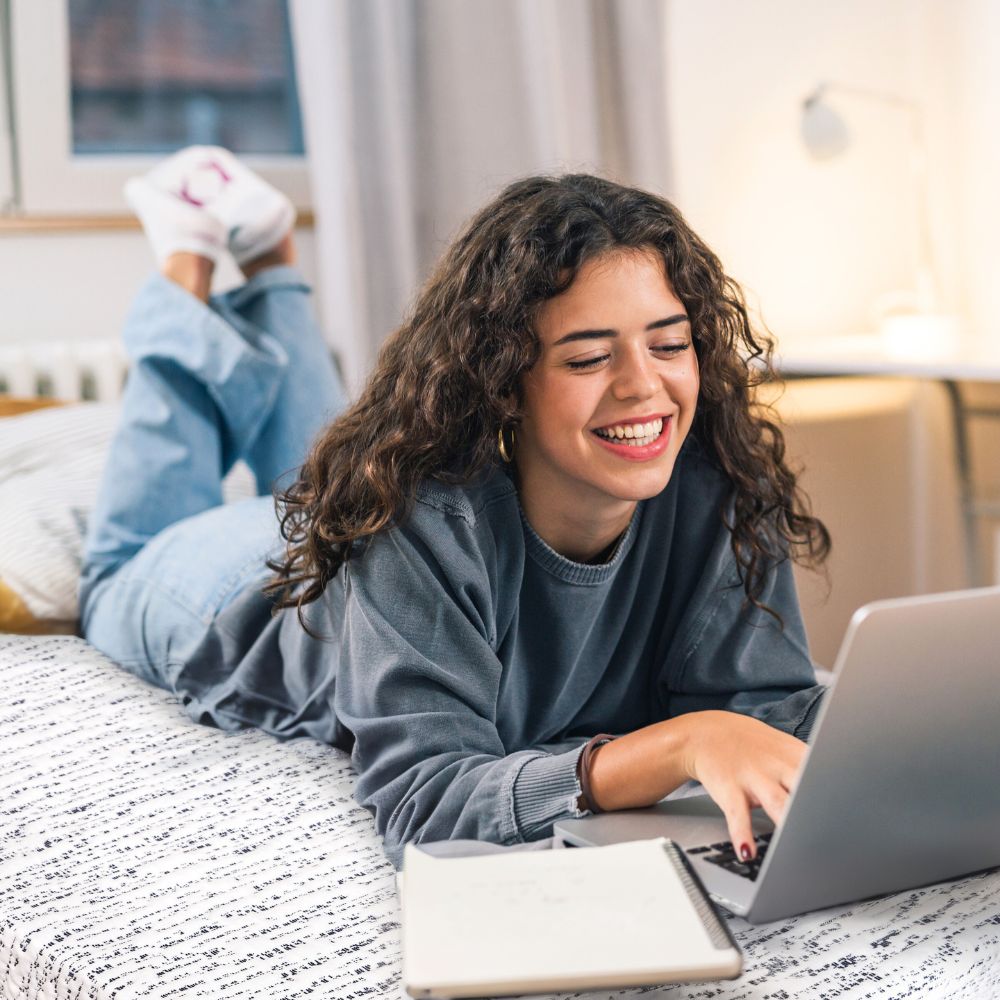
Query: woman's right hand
741, 762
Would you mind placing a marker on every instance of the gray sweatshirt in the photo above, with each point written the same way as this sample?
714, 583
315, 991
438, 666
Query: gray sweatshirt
465, 663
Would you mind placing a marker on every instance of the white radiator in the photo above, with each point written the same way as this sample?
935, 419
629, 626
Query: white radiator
63, 369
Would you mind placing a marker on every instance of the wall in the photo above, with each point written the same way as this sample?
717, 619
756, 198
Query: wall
816, 243
813, 243
69, 285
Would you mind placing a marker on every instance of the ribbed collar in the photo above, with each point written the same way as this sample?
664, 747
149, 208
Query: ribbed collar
582, 574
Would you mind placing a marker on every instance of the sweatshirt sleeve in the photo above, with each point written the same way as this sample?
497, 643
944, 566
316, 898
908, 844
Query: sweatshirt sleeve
741, 659
417, 684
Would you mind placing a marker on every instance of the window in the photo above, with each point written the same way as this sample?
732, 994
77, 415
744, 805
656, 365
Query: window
103, 88
6, 150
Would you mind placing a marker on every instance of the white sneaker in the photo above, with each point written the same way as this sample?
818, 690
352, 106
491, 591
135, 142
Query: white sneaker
257, 215
173, 224
254, 215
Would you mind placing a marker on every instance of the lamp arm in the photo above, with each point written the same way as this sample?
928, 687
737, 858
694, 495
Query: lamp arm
883, 96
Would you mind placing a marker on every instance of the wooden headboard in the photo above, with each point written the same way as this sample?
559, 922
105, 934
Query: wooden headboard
11, 406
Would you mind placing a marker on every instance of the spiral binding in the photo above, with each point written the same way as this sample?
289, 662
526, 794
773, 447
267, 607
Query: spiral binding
718, 932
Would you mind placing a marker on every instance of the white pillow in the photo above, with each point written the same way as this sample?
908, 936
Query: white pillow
50, 469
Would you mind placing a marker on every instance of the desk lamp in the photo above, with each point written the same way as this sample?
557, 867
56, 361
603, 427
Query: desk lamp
910, 322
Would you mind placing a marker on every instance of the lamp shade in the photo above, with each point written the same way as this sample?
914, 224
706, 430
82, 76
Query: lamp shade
824, 132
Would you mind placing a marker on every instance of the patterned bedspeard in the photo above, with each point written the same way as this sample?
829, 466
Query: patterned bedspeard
144, 856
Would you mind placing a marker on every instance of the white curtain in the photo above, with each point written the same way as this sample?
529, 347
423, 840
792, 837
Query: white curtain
417, 111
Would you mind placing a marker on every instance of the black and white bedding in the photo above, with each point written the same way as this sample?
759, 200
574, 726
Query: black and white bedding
144, 856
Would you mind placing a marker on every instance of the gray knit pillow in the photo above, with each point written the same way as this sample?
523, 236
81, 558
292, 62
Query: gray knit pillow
50, 469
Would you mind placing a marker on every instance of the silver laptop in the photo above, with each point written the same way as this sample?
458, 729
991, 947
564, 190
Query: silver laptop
900, 786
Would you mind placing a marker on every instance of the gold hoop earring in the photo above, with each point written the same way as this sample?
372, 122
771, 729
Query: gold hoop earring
504, 454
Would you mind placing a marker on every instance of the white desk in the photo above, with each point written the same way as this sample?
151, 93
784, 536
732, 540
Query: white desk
866, 355
862, 355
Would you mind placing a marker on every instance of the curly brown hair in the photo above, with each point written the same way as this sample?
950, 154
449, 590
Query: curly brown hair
450, 377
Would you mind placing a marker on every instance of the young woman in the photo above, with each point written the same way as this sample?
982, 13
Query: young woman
552, 515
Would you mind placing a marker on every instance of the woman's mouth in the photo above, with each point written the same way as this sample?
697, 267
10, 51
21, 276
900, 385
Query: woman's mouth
632, 435
637, 442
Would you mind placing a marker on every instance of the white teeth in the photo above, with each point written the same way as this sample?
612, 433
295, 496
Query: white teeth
635, 435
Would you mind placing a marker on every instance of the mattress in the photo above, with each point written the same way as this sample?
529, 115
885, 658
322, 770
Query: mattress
144, 856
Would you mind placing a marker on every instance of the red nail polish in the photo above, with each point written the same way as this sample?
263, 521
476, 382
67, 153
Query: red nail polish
745, 852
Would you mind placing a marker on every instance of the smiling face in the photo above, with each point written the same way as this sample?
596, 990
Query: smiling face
608, 403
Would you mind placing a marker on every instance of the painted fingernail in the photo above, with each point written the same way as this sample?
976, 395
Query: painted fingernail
745, 852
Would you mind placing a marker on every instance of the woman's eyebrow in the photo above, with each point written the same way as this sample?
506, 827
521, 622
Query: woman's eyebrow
669, 321
601, 334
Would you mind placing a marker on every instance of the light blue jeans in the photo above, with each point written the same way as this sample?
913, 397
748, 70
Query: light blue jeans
247, 376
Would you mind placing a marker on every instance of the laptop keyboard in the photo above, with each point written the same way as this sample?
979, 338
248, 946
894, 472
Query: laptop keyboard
724, 856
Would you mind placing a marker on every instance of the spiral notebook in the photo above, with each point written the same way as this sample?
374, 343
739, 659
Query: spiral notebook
630, 914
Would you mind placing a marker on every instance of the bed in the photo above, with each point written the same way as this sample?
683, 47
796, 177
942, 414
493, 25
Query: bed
144, 856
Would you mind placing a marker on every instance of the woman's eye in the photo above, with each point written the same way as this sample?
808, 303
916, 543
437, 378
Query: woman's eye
587, 363
664, 350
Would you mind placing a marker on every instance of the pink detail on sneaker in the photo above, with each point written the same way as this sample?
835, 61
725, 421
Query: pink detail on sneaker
185, 195
210, 166
214, 165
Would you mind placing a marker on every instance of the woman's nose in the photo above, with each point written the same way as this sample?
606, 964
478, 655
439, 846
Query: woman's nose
636, 377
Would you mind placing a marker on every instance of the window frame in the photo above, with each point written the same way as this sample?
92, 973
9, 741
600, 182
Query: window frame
7, 179
52, 180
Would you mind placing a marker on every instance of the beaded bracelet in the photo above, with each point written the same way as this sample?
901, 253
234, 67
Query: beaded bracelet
583, 770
